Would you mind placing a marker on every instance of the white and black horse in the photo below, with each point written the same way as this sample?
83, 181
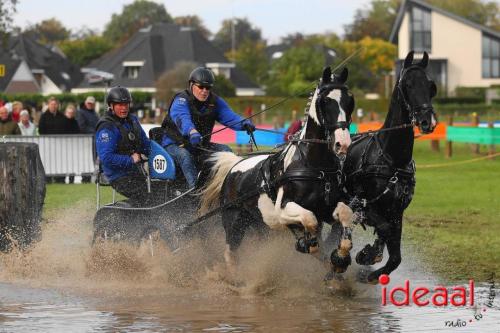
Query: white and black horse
380, 171
298, 188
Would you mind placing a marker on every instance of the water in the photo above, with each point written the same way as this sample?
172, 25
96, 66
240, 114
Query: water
64, 285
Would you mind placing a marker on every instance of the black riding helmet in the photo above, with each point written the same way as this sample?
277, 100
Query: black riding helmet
118, 95
202, 76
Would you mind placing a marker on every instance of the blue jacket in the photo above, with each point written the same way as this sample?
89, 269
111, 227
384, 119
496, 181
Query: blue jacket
107, 138
181, 116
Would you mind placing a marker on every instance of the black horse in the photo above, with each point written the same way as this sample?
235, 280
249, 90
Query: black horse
298, 188
380, 171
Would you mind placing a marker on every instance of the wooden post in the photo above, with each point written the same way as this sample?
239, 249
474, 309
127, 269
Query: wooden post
22, 192
449, 147
435, 145
491, 149
475, 123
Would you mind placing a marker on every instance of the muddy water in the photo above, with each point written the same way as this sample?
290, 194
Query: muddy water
64, 285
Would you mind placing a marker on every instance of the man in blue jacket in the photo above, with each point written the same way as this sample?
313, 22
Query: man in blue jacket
120, 141
190, 121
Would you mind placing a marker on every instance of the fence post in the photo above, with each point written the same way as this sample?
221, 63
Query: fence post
491, 149
435, 145
449, 147
475, 123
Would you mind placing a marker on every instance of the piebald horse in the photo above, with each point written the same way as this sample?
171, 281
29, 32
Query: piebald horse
380, 170
298, 188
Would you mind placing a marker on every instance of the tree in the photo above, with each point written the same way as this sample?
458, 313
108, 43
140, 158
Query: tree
83, 51
252, 59
7, 9
224, 87
295, 71
375, 21
193, 21
482, 12
243, 30
138, 14
367, 69
173, 80
48, 31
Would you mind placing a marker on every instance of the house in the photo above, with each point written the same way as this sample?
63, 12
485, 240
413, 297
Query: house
27, 66
462, 53
158, 48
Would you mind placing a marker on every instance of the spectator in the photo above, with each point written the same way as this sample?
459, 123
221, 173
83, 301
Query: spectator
7, 125
87, 117
25, 124
52, 121
16, 110
71, 123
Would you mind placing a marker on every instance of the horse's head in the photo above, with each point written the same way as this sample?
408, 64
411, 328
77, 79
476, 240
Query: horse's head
417, 90
334, 106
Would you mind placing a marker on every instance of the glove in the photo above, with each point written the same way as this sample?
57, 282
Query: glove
195, 139
248, 126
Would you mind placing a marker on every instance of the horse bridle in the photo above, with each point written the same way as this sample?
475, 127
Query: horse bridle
412, 111
323, 91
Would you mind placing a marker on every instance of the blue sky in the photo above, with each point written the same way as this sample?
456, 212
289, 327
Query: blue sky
275, 18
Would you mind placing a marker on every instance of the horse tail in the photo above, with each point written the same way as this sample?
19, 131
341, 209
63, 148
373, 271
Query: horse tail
222, 165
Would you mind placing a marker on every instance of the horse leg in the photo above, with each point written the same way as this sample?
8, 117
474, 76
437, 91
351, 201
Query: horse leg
235, 223
392, 237
295, 214
341, 257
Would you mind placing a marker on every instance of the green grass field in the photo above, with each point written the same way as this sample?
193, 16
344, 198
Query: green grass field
453, 220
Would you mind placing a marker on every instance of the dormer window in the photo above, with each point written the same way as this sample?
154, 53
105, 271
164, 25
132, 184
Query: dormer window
420, 30
131, 69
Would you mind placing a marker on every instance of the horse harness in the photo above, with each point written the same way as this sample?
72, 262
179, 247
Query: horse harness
400, 181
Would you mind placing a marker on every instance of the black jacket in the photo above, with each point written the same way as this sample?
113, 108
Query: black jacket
52, 123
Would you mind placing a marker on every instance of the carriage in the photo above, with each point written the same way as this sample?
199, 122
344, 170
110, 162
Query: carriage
310, 183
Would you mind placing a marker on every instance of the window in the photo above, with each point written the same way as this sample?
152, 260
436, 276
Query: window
131, 69
131, 72
420, 30
491, 57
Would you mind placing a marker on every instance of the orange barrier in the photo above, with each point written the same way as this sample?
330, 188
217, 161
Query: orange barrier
438, 134
369, 126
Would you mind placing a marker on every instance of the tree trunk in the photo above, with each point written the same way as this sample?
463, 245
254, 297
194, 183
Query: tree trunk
22, 192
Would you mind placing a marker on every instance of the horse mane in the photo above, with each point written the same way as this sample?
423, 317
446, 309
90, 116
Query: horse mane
222, 162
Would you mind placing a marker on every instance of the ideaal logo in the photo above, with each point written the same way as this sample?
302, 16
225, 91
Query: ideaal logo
440, 297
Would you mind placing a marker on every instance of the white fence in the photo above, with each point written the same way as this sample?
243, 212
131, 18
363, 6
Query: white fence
62, 154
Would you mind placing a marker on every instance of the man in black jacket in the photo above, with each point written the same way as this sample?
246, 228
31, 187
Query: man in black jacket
52, 121
87, 117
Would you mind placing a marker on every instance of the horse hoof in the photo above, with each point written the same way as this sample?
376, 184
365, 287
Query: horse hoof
368, 256
339, 263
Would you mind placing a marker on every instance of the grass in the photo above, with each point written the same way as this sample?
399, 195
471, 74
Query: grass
454, 217
453, 220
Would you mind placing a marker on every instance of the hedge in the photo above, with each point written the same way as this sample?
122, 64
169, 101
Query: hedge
36, 100
281, 106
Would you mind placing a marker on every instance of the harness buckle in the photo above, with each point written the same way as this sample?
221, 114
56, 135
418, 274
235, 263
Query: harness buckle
394, 179
321, 175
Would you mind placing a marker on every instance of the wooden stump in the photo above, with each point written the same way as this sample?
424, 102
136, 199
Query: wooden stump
22, 193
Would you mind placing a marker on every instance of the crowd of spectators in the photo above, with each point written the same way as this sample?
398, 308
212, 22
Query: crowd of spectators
17, 120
